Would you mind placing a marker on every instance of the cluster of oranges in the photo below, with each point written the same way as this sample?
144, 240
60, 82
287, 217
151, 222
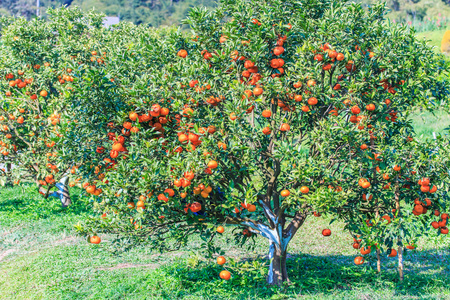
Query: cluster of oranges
92, 189
49, 179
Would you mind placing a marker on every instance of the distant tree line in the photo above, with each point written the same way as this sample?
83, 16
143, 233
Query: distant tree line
152, 12
168, 12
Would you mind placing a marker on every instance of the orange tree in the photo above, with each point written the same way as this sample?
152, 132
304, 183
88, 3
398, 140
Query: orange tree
407, 195
34, 83
271, 112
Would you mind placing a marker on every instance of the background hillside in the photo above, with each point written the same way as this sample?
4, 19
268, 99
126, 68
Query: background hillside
167, 12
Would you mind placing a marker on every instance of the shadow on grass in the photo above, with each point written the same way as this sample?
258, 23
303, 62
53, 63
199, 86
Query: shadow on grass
322, 276
26, 203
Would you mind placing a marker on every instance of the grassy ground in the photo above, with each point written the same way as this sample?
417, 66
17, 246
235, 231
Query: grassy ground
425, 123
41, 258
434, 38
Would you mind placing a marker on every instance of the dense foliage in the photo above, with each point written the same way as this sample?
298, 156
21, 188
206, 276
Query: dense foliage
269, 113
35, 80
261, 119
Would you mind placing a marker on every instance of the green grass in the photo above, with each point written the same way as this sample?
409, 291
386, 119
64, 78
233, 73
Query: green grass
434, 38
42, 258
425, 123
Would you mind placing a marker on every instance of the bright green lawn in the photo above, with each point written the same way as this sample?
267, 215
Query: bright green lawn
434, 38
41, 258
425, 123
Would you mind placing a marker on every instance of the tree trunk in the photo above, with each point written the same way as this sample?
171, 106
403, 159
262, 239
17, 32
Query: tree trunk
277, 269
8, 181
378, 261
62, 193
399, 252
400, 263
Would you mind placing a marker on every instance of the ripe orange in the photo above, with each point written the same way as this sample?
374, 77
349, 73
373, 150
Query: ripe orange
392, 253
220, 229
370, 107
225, 275
359, 260
355, 110
365, 251
95, 239
444, 230
90, 189
365, 185
212, 164
251, 208
326, 232
221, 260
285, 193
304, 190
425, 181
266, 130
182, 53
257, 91
278, 51
266, 113
140, 204
285, 127
43, 93
410, 247
312, 101
133, 116
425, 188
195, 207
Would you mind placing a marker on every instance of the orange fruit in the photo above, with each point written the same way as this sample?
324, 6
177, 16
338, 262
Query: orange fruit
95, 240
312, 101
225, 275
251, 208
326, 232
266, 113
393, 253
285, 127
182, 53
221, 260
359, 260
285, 193
212, 164
220, 229
365, 251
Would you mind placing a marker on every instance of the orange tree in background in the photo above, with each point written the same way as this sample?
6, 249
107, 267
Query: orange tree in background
271, 112
34, 82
